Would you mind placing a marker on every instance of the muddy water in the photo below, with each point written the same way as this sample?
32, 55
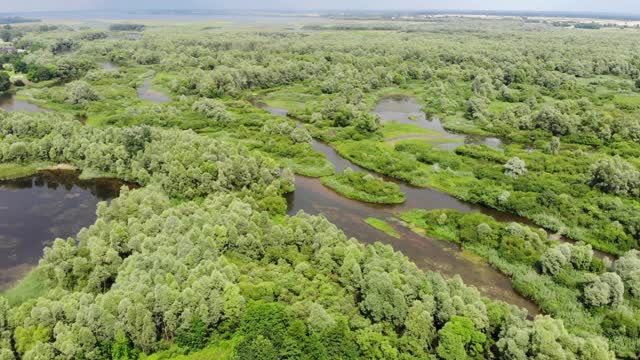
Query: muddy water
8, 102
145, 93
405, 110
37, 209
349, 215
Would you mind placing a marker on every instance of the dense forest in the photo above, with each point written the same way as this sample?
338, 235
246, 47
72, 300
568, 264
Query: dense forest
214, 124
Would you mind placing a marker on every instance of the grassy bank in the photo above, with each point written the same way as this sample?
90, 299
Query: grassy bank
17, 170
383, 226
364, 187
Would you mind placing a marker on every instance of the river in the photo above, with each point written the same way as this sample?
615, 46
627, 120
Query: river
428, 253
35, 210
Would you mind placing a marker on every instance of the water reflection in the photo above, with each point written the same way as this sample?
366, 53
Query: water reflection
146, 93
405, 110
8, 102
37, 209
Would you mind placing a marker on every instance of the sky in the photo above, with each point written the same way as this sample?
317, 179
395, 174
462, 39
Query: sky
630, 7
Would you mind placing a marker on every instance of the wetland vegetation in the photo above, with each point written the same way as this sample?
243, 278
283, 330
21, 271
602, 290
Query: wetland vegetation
361, 189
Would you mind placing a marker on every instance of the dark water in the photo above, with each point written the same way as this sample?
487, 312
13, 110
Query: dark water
37, 209
145, 93
405, 110
8, 102
349, 215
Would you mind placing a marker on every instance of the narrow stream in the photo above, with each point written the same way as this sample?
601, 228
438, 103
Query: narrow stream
349, 215
35, 210
146, 93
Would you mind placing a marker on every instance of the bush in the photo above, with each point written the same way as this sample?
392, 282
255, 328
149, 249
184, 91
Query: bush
212, 109
79, 92
5, 81
616, 175
364, 187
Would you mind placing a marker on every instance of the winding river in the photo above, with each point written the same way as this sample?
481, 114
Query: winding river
428, 253
36, 209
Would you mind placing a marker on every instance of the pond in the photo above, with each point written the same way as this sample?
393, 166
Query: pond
349, 215
146, 93
35, 210
405, 110
8, 102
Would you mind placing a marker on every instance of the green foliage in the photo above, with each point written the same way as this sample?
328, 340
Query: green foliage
194, 335
515, 168
182, 163
213, 110
79, 92
158, 269
616, 175
5, 81
26, 338
459, 340
385, 160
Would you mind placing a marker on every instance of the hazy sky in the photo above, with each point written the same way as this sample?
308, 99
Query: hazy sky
612, 6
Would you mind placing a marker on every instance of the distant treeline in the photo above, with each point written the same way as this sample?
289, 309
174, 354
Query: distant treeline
16, 20
126, 27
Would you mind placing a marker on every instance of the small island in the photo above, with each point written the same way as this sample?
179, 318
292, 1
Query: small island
364, 187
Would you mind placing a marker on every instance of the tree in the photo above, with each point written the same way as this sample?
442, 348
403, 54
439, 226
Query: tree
608, 289
301, 135
597, 293
515, 167
616, 175
193, 336
551, 119
628, 267
458, 339
382, 300
581, 256
5, 81
6, 354
79, 92
477, 109
255, 348
212, 109
554, 146
553, 260
27, 338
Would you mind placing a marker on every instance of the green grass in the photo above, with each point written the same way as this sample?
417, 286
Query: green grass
32, 286
312, 166
415, 220
291, 97
14, 170
383, 226
394, 129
